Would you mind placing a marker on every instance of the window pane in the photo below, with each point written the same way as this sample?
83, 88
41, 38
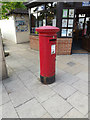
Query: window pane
48, 6
54, 4
42, 7
51, 17
33, 23
34, 9
41, 19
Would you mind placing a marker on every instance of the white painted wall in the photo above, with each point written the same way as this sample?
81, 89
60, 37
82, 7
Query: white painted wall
8, 29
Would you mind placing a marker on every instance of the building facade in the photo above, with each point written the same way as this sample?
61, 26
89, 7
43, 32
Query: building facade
72, 18
16, 28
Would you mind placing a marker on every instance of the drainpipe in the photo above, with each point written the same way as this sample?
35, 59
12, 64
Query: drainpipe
3, 68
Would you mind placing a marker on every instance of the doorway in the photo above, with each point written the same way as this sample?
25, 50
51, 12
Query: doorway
81, 32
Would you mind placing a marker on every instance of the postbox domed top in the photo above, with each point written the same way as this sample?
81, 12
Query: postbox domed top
47, 29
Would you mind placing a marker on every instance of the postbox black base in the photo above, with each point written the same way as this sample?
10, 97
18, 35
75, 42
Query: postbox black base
47, 80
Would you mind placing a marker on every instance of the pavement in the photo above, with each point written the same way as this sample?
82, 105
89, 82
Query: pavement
24, 96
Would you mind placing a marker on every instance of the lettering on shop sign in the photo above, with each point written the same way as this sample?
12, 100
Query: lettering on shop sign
86, 3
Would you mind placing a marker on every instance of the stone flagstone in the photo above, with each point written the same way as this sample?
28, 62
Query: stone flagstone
80, 102
56, 106
8, 111
5, 98
73, 113
20, 96
64, 90
13, 85
47, 115
83, 75
81, 86
43, 93
31, 109
69, 78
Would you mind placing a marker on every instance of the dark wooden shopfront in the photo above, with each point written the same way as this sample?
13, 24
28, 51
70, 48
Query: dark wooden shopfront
68, 16
81, 31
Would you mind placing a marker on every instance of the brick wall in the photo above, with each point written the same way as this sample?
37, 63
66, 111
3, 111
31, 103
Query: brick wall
63, 46
34, 42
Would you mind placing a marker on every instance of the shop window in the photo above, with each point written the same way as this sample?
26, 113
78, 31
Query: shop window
41, 19
48, 6
33, 23
40, 8
54, 4
81, 22
81, 15
43, 15
51, 13
51, 17
87, 26
33, 10
67, 22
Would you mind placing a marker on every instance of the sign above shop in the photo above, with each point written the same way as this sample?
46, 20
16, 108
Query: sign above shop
41, 8
86, 3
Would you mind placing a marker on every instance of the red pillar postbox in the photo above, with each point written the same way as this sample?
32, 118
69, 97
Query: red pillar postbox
47, 48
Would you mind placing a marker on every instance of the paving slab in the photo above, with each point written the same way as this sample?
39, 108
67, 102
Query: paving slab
79, 101
73, 113
58, 76
64, 90
81, 86
5, 97
20, 96
13, 85
31, 109
56, 106
74, 69
43, 93
26, 75
47, 115
30, 80
69, 78
34, 68
37, 74
83, 75
11, 75
32, 84
8, 111
61, 65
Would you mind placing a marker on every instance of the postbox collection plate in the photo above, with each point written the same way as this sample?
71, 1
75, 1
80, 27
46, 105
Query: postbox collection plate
53, 49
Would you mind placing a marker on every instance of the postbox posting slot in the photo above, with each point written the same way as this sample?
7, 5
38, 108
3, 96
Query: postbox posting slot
52, 40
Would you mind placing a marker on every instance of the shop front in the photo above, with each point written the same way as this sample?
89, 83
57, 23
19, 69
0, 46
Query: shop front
68, 17
81, 32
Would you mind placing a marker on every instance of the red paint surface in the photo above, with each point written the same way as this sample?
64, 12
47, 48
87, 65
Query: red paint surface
47, 60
